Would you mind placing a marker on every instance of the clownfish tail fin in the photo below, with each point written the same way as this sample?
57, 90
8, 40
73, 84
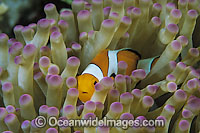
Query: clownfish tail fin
147, 64
135, 52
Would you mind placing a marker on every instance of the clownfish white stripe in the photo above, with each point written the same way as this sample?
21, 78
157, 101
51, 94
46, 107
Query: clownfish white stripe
146, 64
94, 70
112, 67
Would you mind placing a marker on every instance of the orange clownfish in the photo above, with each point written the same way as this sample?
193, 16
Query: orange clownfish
105, 65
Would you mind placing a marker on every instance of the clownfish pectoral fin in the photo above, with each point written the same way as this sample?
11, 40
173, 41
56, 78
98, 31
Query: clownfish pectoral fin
147, 64
113, 75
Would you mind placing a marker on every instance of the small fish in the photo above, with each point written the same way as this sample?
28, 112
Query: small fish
105, 65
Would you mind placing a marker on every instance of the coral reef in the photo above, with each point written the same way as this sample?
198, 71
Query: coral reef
38, 68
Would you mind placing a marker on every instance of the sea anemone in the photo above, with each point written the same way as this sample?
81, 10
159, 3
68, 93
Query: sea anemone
38, 68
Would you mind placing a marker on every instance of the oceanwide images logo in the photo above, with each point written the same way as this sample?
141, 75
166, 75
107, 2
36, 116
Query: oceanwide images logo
41, 121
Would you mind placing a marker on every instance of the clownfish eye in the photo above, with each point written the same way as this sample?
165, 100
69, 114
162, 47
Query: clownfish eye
95, 82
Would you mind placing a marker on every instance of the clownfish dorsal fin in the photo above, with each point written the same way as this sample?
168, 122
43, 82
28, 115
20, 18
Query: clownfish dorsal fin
133, 51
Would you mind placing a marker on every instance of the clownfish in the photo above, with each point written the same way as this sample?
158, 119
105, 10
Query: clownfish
105, 64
